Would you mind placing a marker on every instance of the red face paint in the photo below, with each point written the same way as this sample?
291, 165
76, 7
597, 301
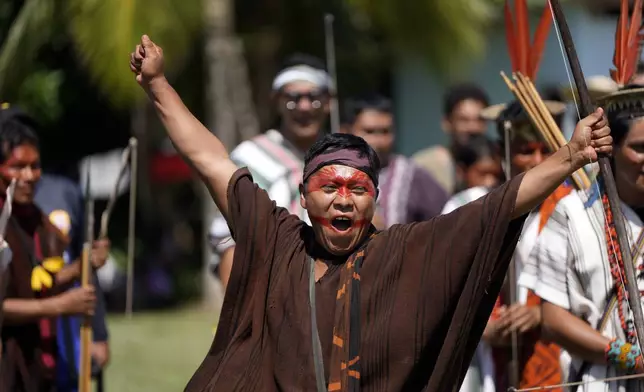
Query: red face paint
342, 180
333, 183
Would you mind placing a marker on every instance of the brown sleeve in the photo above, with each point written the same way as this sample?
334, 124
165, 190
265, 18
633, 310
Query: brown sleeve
260, 229
462, 264
250, 209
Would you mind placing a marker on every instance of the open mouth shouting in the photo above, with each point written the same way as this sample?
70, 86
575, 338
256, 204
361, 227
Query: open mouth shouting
342, 223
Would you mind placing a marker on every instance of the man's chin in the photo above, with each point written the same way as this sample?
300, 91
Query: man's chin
339, 246
23, 198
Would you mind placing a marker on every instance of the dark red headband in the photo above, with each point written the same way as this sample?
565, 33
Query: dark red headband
344, 157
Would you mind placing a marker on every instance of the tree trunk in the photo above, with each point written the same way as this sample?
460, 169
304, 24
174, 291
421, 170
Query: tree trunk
229, 104
139, 125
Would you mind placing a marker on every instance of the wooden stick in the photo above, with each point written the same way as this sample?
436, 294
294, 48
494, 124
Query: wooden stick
552, 124
580, 176
538, 123
85, 371
131, 238
329, 44
542, 124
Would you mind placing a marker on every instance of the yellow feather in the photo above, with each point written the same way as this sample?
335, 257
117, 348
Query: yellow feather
39, 278
53, 264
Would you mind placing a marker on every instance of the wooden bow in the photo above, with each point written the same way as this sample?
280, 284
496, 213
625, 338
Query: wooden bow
128, 158
585, 108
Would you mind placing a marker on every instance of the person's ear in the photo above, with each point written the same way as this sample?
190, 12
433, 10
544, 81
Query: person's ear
302, 198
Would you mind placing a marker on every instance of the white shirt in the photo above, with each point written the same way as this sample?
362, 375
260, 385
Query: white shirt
277, 167
569, 268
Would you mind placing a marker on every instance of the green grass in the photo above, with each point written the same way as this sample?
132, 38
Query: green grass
157, 351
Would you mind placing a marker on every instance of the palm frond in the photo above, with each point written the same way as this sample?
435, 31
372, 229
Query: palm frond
31, 29
38, 94
105, 32
441, 31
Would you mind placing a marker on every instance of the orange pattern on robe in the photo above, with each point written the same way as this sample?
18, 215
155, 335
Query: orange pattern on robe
538, 359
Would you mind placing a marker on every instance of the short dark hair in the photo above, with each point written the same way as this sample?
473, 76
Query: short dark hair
342, 141
353, 107
296, 59
552, 93
476, 147
462, 92
620, 125
17, 128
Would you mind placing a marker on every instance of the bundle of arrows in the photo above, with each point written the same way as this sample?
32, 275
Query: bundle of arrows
526, 93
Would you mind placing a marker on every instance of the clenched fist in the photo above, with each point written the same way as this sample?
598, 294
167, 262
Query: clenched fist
79, 300
147, 62
591, 138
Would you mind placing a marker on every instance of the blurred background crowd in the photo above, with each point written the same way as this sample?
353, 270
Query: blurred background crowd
425, 68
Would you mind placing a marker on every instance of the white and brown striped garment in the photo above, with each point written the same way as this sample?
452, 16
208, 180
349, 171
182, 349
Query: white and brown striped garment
569, 268
276, 166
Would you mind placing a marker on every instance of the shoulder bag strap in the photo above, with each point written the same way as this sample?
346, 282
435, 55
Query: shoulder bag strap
318, 361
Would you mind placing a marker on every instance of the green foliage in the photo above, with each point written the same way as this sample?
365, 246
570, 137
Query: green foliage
39, 94
105, 32
441, 31
30, 30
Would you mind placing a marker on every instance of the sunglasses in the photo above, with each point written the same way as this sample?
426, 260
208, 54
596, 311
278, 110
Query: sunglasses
315, 97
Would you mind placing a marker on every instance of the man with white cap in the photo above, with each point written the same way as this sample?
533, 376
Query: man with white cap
276, 158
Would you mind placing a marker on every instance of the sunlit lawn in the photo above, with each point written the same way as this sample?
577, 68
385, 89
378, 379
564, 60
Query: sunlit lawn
157, 351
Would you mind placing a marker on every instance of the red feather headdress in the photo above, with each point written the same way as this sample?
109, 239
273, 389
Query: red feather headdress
525, 56
627, 39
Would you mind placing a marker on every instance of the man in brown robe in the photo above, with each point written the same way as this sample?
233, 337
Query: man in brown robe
37, 275
397, 310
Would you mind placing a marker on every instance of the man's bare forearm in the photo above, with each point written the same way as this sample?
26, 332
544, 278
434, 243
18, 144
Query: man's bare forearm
17, 311
540, 181
68, 274
193, 140
573, 334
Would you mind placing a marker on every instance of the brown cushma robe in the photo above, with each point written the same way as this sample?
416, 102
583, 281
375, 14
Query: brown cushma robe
23, 368
427, 290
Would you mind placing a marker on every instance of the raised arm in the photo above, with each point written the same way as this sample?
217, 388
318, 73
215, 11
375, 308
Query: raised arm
200, 147
591, 136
